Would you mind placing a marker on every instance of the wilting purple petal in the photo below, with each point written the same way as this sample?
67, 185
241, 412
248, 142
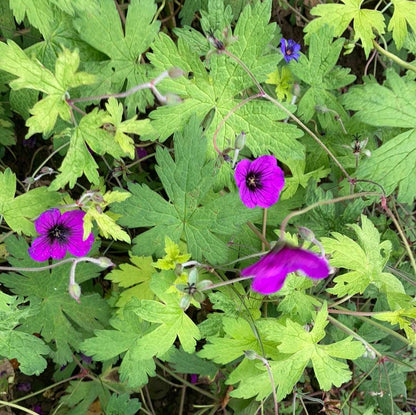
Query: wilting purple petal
59, 234
290, 50
259, 181
270, 271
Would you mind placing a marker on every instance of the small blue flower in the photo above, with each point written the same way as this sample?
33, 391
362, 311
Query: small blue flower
290, 50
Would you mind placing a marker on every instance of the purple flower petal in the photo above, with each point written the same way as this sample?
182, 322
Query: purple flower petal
40, 250
47, 220
78, 247
259, 181
270, 271
59, 234
290, 50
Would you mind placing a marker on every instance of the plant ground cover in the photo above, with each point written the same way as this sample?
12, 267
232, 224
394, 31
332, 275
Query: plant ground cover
207, 207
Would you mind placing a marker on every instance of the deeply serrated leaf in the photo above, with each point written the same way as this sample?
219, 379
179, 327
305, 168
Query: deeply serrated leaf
187, 180
365, 261
404, 14
58, 318
102, 29
367, 23
216, 90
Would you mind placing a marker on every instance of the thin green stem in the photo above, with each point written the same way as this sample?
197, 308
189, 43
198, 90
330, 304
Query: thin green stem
47, 159
321, 203
380, 326
352, 333
231, 112
358, 385
310, 132
227, 282
402, 236
263, 94
263, 231
21, 408
185, 382
394, 58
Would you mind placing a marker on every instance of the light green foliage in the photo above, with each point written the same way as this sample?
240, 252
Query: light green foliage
19, 212
389, 105
321, 74
217, 89
169, 320
283, 79
32, 74
404, 14
122, 405
298, 347
403, 314
367, 23
7, 136
39, 13
173, 256
204, 219
105, 220
135, 278
101, 28
149, 329
131, 126
295, 302
301, 178
365, 260
239, 337
123, 339
25, 347
78, 160
58, 318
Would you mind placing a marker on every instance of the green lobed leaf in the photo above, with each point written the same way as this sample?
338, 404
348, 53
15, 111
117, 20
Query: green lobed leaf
318, 70
217, 89
123, 339
58, 318
102, 29
404, 14
239, 337
19, 212
26, 348
135, 278
365, 260
207, 223
367, 23
32, 74
298, 348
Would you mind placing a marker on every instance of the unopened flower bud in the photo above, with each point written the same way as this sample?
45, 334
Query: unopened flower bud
175, 72
306, 234
321, 109
105, 262
75, 291
172, 99
296, 89
240, 141
250, 354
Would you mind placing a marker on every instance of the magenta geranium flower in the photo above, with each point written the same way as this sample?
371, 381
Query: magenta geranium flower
270, 272
259, 181
290, 50
59, 234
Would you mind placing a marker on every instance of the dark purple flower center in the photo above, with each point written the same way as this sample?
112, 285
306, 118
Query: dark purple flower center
59, 233
253, 181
